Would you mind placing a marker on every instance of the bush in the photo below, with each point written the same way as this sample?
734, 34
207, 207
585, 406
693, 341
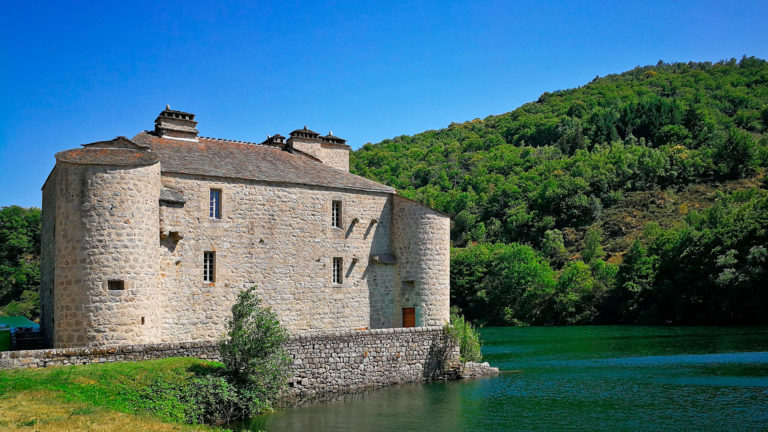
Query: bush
254, 373
165, 398
253, 353
28, 306
213, 400
467, 336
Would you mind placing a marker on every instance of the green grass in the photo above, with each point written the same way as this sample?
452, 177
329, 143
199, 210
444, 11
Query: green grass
5, 340
101, 389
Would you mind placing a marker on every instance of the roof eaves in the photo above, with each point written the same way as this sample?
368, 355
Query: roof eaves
387, 189
424, 205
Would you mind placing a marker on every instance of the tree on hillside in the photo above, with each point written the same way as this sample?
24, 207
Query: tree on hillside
502, 284
20, 261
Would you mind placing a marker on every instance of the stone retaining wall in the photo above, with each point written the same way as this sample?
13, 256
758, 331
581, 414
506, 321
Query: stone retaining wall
348, 361
322, 363
80, 356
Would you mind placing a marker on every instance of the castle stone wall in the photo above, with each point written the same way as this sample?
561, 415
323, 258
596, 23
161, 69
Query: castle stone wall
106, 223
48, 257
279, 238
106, 228
421, 243
347, 361
335, 156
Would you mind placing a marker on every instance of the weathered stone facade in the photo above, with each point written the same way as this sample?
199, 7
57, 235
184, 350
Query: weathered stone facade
105, 224
278, 238
134, 216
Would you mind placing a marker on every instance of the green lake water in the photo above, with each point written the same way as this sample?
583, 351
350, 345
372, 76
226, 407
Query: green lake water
595, 378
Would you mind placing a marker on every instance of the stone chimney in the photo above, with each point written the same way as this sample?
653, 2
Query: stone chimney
174, 124
329, 149
274, 141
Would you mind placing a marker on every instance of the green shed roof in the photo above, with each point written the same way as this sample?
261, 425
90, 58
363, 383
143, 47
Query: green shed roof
16, 321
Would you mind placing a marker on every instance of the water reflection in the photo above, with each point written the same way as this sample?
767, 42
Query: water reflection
388, 408
572, 379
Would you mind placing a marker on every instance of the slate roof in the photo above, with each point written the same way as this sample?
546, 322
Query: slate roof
108, 156
119, 142
236, 159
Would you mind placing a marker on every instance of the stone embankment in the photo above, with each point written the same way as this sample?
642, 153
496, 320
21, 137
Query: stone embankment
353, 360
321, 363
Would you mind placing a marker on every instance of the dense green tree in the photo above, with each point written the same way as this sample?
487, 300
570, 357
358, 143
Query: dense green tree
502, 284
577, 292
634, 281
592, 249
553, 247
19, 260
734, 154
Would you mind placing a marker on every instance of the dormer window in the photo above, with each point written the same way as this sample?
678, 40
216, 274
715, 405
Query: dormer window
336, 214
215, 204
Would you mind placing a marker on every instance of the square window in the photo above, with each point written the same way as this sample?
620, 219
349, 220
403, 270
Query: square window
215, 204
338, 268
336, 214
116, 285
209, 267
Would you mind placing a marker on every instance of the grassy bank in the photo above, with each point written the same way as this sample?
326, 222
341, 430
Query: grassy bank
110, 396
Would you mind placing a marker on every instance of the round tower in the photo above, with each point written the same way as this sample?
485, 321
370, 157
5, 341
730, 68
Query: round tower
422, 247
105, 241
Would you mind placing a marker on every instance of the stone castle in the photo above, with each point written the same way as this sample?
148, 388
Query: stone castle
149, 240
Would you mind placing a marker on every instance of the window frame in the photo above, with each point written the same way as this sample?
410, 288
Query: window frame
209, 267
337, 214
337, 270
214, 205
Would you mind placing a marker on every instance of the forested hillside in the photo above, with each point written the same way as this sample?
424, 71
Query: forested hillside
19, 261
637, 198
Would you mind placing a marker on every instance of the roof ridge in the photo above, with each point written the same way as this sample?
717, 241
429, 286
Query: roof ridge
228, 140
148, 132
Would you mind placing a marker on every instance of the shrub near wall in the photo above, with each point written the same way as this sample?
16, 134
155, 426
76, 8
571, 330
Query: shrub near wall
466, 336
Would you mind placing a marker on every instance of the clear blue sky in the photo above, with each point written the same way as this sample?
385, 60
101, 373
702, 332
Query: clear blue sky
88, 71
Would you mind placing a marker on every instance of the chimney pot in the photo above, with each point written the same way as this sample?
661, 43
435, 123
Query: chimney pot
176, 125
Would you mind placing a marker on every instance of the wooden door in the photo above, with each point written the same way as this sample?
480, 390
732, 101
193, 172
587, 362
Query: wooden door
409, 317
